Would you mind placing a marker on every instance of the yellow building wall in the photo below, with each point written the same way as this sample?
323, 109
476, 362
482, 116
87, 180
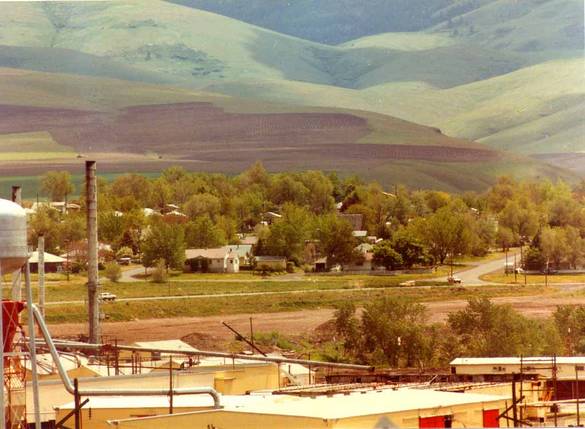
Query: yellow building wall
242, 380
468, 415
250, 377
98, 418
224, 420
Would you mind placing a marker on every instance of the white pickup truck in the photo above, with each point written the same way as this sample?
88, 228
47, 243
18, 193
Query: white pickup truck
107, 296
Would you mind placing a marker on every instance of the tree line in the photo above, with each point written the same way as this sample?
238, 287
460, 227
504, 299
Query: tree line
412, 227
395, 332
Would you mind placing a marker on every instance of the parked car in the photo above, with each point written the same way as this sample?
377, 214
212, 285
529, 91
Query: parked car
453, 280
124, 260
107, 296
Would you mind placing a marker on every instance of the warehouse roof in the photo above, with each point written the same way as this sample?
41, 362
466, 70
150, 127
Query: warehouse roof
358, 403
166, 345
563, 360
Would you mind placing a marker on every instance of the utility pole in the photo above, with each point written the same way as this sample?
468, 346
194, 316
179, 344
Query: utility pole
515, 270
92, 252
16, 291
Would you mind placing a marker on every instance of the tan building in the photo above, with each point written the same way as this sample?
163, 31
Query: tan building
235, 378
380, 409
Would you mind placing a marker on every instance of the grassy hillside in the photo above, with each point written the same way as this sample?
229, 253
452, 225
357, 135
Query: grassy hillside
474, 72
329, 21
32, 146
545, 29
137, 127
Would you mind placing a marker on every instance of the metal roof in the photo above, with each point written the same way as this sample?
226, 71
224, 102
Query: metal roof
544, 360
358, 403
49, 258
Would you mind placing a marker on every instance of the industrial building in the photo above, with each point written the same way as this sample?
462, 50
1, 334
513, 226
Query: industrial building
376, 408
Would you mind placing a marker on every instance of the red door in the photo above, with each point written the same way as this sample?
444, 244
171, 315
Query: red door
490, 418
431, 422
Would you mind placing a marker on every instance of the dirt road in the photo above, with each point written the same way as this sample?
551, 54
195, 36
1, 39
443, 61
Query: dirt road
207, 332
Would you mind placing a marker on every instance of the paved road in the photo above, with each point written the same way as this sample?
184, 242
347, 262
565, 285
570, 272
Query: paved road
472, 275
128, 275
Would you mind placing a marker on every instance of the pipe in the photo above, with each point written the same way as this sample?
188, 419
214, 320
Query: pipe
2, 401
32, 349
113, 392
16, 275
41, 272
222, 355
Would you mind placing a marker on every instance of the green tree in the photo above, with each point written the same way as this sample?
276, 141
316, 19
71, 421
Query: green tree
487, 329
554, 245
113, 272
289, 234
164, 241
386, 256
203, 205
336, 239
286, 189
447, 231
393, 331
409, 247
202, 233
57, 185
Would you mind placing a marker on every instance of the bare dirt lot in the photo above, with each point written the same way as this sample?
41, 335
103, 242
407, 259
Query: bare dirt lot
208, 332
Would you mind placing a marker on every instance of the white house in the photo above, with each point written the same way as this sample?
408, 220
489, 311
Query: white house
220, 260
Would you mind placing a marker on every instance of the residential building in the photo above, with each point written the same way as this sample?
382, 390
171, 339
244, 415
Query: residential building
219, 260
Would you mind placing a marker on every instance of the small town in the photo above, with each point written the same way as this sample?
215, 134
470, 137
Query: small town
292, 214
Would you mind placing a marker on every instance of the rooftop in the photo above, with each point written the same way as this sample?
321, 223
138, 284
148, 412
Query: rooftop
49, 258
337, 406
544, 360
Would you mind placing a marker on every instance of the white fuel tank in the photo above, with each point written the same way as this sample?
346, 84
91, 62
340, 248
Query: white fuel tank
13, 247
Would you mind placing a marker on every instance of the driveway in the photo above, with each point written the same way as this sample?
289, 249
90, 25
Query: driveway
472, 276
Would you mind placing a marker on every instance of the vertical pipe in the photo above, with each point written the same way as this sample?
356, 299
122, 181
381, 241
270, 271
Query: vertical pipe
2, 400
251, 332
16, 293
171, 384
77, 400
41, 272
32, 346
92, 252
577, 394
514, 402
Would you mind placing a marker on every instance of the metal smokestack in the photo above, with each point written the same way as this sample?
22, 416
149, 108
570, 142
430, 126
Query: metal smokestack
16, 293
92, 252
17, 195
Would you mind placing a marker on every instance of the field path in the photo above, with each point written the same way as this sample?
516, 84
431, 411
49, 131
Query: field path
289, 323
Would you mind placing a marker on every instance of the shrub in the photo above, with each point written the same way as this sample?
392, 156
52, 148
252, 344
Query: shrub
159, 274
290, 267
113, 271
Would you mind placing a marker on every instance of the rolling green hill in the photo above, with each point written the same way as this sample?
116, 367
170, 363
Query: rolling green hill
130, 126
506, 73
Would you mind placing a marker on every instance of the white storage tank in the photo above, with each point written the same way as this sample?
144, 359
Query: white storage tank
13, 247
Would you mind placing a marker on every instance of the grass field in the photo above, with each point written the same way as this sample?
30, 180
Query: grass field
32, 146
534, 278
185, 307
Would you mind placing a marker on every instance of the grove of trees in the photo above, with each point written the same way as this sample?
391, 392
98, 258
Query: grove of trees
415, 226
395, 332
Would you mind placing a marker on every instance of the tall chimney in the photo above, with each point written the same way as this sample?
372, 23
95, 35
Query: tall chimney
17, 195
92, 252
16, 291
